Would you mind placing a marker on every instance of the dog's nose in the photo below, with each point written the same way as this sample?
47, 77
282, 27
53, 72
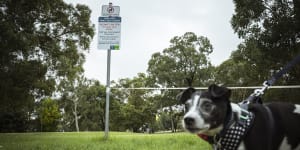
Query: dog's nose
189, 121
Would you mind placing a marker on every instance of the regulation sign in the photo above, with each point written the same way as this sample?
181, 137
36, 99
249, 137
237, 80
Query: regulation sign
109, 10
109, 33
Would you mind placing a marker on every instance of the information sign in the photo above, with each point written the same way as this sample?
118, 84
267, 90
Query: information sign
109, 33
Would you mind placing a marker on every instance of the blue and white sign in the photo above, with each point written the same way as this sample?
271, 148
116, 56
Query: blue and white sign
109, 33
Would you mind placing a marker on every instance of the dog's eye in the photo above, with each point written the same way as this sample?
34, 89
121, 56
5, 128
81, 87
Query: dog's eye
186, 107
207, 106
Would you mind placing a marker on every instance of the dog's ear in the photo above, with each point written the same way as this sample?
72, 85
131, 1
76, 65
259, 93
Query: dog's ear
185, 95
219, 91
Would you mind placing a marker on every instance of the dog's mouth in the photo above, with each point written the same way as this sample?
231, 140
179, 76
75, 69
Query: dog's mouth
193, 130
196, 130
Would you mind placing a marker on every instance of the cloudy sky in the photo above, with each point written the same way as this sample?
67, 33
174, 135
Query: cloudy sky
147, 27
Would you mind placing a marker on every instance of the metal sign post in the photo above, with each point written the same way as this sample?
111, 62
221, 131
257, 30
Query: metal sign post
109, 35
107, 95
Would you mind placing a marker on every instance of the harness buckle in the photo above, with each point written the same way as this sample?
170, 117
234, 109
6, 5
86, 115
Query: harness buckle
244, 114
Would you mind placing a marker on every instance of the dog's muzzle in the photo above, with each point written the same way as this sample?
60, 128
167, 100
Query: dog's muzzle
189, 121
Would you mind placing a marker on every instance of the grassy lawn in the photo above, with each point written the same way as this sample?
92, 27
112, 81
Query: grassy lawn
95, 141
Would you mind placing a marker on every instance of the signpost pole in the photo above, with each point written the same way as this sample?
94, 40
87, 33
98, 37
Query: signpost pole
107, 95
109, 38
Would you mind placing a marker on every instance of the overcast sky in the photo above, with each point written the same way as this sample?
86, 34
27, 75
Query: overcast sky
147, 27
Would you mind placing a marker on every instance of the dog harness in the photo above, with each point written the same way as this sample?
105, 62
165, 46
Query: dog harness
231, 136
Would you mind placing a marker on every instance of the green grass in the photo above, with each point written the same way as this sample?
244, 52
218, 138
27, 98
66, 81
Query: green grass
95, 141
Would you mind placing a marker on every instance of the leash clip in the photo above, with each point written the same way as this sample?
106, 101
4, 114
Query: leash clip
255, 96
259, 92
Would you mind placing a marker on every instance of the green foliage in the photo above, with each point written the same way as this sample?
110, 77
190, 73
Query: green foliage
136, 109
83, 105
271, 33
243, 67
49, 114
42, 43
184, 63
164, 122
277, 37
92, 106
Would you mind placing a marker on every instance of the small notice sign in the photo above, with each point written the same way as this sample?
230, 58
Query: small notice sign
109, 33
109, 10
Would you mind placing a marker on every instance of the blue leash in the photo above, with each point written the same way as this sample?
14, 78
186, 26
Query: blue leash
255, 96
284, 70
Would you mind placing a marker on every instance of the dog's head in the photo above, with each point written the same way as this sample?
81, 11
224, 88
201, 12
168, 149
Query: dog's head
205, 111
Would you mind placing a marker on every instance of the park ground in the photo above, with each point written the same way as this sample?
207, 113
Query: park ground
95, 141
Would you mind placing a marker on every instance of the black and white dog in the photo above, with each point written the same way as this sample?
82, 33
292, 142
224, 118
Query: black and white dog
210, 115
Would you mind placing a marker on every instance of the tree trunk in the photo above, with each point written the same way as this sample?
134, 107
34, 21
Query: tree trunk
76, 116
172, 123
172, 120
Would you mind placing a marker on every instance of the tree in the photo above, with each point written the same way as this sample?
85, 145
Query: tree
70, 103
92, 102
270, 30
49, 115
184, 63
71, 98
237, 71
273, 28
136, 107
42, 44
84, 106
